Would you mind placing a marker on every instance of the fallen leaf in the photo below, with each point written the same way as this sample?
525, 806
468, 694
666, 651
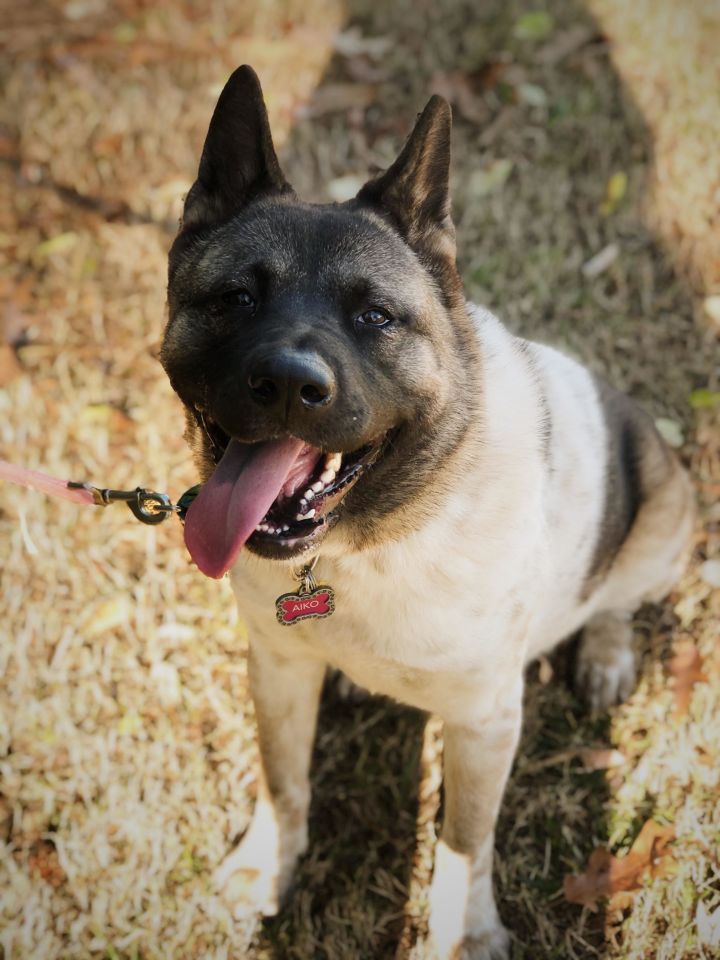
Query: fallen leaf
108, 146
601, 758
704, 399
16, 299
10, 366
43, 860
614, 192
600, 262
57, 244
620, 877
535, 25
109, 415
487, 76
670, 431
686, 670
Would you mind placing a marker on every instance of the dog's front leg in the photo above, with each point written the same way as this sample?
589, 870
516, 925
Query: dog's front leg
477, 757
286, 692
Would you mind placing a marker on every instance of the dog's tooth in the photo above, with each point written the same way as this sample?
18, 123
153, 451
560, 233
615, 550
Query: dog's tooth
310, 492
333, 461
300, 516
326, 476
309, 515
317, 486
285, 528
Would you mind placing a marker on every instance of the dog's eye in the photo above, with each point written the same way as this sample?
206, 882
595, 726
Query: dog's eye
238, 298
373, 318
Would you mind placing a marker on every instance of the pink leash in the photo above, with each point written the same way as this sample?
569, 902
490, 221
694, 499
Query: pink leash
147, 506
43, 482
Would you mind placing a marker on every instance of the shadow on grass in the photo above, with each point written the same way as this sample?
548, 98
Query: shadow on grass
351, 887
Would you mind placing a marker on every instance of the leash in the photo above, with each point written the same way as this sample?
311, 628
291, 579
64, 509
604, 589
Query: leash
147, 506
309, 602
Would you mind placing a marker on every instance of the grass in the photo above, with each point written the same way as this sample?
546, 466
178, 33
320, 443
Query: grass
126, 736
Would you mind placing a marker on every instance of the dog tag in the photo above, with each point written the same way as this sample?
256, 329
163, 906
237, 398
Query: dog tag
309, 602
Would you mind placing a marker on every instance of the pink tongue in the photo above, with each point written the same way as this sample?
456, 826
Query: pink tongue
235, 499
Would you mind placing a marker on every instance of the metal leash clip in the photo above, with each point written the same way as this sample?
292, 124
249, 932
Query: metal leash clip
148, 506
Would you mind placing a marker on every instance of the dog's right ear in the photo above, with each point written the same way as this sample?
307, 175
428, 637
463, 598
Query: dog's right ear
238, 162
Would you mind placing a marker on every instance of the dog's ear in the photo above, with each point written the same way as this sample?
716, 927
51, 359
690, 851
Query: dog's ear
238, 162
415, 190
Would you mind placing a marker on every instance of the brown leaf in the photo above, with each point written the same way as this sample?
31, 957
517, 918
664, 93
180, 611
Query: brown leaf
620, 877
601, 758
109, 145
10, 366
686, 670
15, 302
43, 860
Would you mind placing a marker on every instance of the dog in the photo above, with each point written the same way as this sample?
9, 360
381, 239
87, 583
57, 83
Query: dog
469, 498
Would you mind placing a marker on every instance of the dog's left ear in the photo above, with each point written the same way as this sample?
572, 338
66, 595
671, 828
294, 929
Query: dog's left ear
415, 191
238, 162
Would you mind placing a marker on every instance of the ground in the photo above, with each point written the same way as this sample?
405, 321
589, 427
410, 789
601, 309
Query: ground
126, 736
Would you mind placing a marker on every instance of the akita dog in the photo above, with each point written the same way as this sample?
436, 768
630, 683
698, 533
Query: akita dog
470, 498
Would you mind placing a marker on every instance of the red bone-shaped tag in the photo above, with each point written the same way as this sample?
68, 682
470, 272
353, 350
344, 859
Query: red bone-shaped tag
293, 607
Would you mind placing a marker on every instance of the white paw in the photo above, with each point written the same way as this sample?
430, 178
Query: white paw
606, 669
255, 876
248, 888
492, 945
464, 922
607, 681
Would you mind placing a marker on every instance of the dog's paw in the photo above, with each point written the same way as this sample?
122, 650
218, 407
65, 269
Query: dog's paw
464, 922
606, 670
491, 945
247, 889
256, 875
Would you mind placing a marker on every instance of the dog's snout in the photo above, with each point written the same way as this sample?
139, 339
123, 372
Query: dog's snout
288, 380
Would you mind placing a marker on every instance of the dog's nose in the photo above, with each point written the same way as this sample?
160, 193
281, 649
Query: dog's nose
288, 380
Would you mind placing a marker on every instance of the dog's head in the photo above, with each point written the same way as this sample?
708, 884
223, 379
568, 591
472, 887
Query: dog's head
323, 352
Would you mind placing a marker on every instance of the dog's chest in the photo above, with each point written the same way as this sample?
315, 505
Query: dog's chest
418, 622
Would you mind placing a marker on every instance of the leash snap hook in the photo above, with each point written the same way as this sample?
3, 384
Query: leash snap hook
148, 506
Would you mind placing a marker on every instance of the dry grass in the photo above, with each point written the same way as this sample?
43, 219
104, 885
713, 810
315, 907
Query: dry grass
126, 738
667, 55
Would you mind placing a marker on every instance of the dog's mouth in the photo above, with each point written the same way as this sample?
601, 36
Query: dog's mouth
278, 498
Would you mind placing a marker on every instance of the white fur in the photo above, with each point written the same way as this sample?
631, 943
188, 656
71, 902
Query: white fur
446, 618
